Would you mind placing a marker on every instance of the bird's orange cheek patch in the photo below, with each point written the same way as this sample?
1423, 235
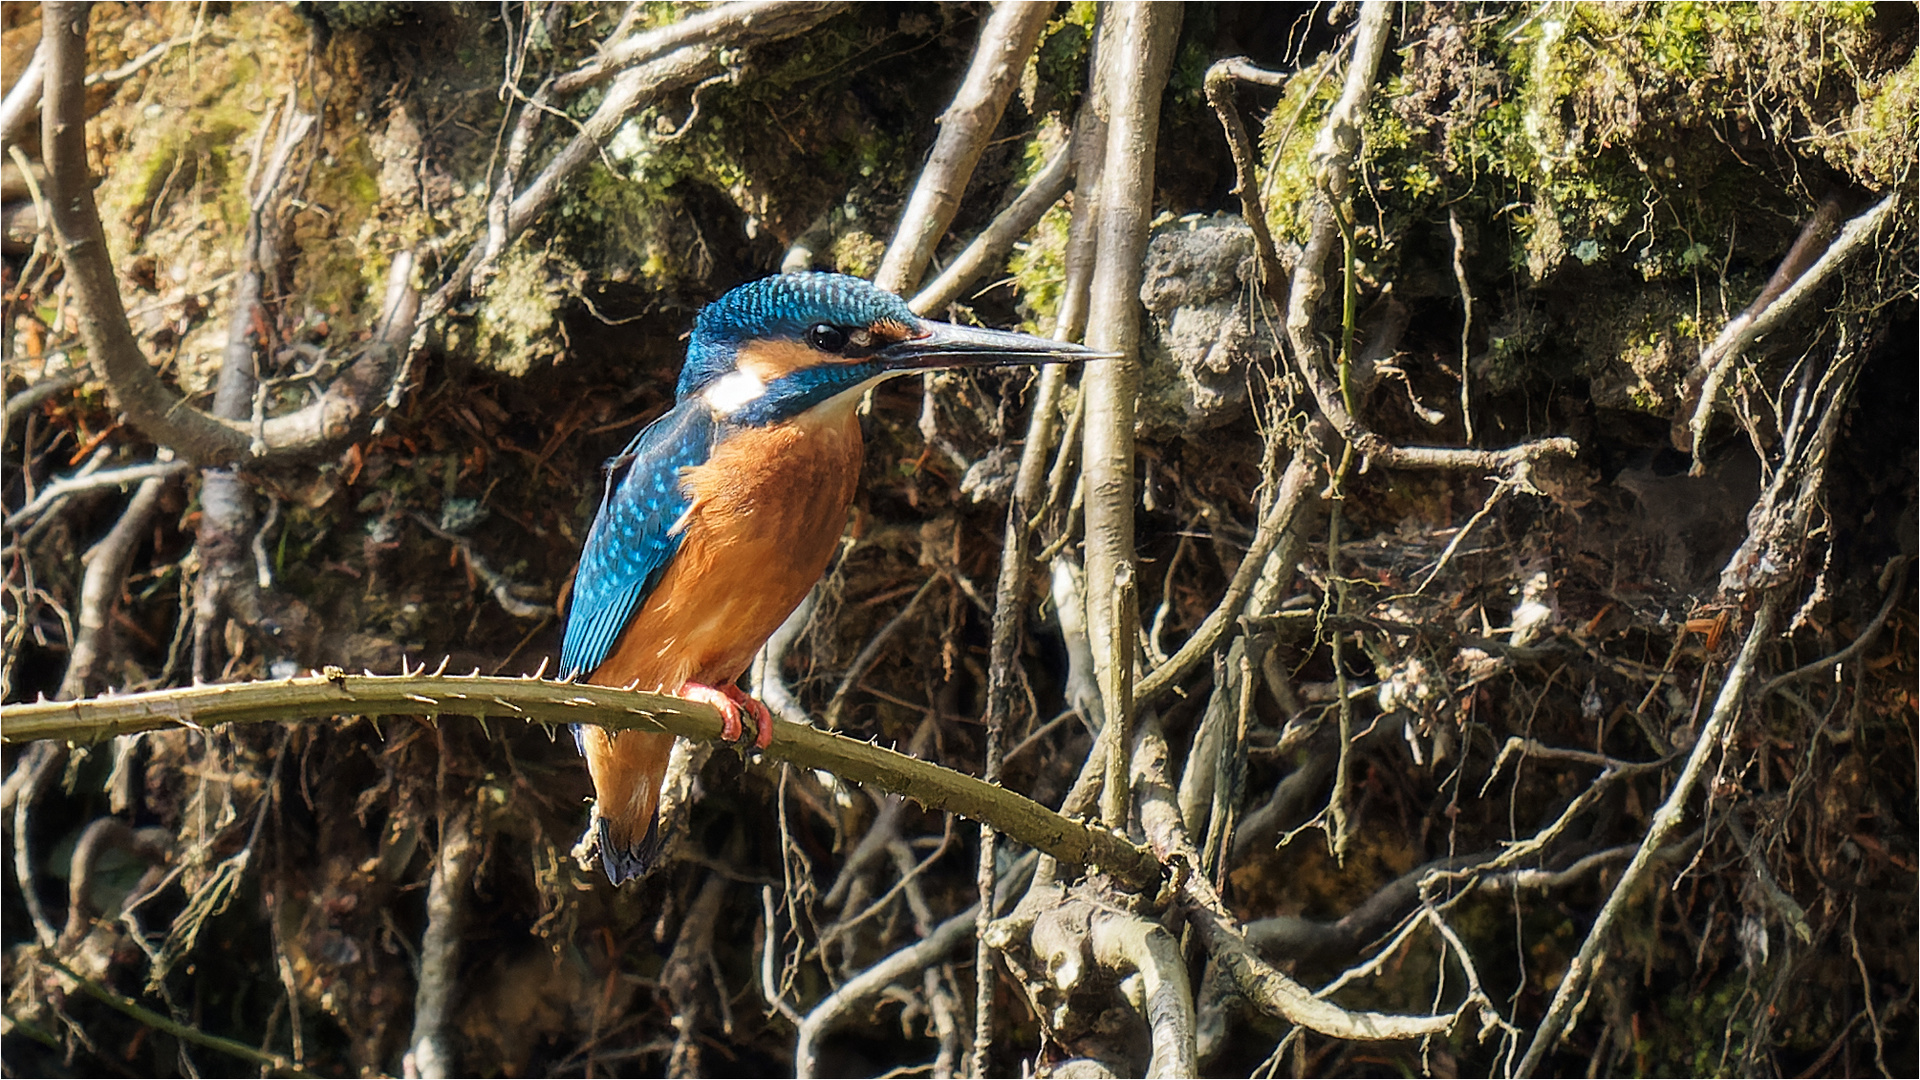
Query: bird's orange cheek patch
772, 360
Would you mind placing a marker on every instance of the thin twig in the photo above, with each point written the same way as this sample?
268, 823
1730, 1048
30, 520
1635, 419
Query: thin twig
692, 30
499, 586
870, 652
1294, 485
1854, 648
1331, 163
1712, 736
1219, 87
769, 985
1466, 321
89, 481
697, 57
53, 385
139, 63
154, 1020
921, 954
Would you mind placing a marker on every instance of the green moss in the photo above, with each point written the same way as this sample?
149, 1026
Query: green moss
1875, 140
1057, 73
1601, 132
514, 330
1039, 269
1286, 140
785, 148
343, 260
858, 253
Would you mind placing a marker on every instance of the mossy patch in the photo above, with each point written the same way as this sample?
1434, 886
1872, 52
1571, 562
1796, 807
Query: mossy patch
1677, 143
514, 330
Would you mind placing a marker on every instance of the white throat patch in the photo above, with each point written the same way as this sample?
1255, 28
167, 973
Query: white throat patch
733, 391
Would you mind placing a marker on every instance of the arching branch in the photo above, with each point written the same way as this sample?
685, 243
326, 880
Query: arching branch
536, 700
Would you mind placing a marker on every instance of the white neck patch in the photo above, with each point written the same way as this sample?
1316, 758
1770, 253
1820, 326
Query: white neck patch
733, 391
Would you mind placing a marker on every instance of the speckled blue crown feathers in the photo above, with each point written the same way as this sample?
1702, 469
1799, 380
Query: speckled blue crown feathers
783, 306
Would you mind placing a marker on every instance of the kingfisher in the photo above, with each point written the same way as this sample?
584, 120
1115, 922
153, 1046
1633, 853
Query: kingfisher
719, 516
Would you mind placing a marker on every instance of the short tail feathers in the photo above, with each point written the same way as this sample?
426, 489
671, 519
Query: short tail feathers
627, 769
626, 863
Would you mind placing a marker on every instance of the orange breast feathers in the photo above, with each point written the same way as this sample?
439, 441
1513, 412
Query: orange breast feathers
768, 509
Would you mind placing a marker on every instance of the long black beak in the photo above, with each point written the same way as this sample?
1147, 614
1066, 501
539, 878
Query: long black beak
944, 345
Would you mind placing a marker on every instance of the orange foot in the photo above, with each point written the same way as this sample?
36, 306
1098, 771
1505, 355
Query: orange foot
729, 700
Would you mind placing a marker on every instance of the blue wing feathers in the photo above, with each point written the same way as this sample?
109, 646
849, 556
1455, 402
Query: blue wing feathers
632, 540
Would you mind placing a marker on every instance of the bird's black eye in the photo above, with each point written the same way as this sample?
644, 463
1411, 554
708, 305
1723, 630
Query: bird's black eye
826, 337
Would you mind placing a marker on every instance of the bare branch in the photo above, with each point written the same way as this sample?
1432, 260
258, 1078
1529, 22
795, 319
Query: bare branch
1294, 938
151, 406
689, 970
23, 100
1043, 430
106, 564
694, 58
157, 410
1006, 41
53, 385
1117, 736
1136, 53
1219, 86
107, 833
769, 681
87, 480
429, 1052
35, 769
1126, 943
1267, 987
907, 962
653, 44
998, 238
1466, 322
1853, 649
1776, 302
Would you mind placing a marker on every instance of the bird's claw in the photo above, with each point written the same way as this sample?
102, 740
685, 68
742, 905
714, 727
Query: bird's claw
729, 700
762, 716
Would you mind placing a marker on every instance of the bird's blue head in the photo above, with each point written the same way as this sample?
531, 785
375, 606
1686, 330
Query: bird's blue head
774, 348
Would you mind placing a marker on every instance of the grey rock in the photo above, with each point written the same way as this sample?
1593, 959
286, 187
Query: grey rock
1199, 289
991, 478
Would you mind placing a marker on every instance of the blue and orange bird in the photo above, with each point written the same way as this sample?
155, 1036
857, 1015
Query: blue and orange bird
719, 517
